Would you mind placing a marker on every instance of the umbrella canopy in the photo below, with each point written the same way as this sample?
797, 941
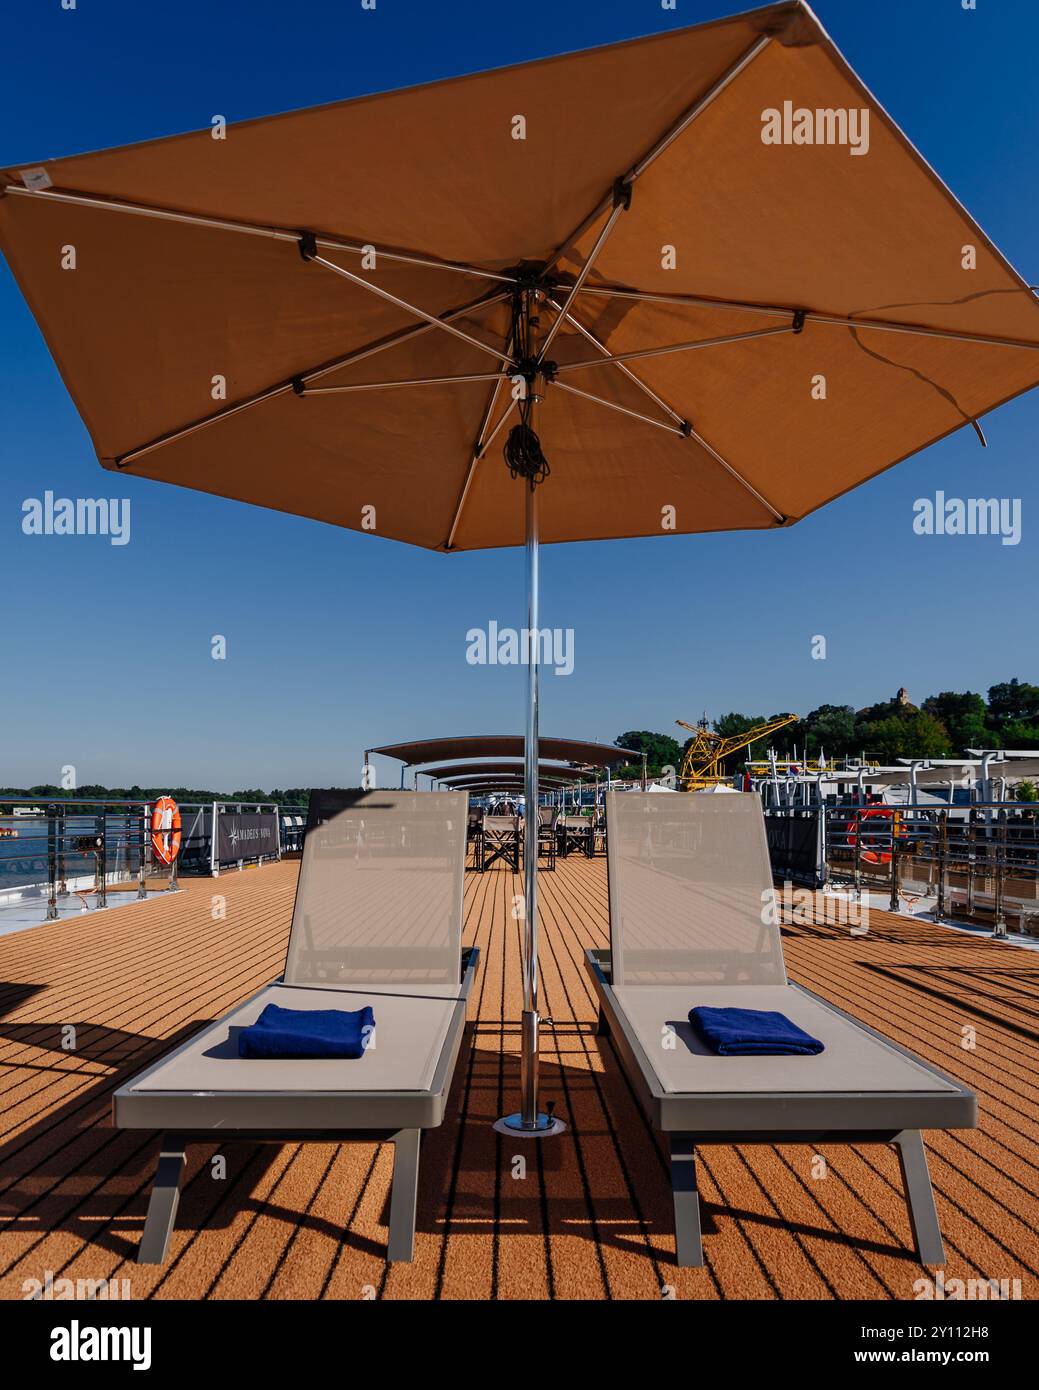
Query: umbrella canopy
203, 237
706, 265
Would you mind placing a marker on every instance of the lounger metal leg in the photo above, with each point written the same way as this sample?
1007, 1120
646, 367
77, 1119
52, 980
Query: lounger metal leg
162, 1207
688, 1247
404, 1195
920, 1199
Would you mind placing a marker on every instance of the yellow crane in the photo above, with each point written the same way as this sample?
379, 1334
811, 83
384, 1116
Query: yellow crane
703, 763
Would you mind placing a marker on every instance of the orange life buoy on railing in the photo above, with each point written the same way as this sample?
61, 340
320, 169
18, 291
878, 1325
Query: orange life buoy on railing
874, 856
166, 829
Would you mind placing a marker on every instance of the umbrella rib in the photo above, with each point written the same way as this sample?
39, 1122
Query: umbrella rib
620, 204
693, 434
163, 214
674, 347
410, 308
686, 431
624, 409
780, 517
299, 382
494, 433
479, 449
411, 381
483, 440
660, 145
811, 316
597, 342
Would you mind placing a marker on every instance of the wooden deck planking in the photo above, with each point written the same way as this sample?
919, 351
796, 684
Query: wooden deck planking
592, 1216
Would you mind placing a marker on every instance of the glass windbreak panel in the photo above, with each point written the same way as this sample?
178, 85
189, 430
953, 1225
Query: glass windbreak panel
76, 843
379, 899
691, 896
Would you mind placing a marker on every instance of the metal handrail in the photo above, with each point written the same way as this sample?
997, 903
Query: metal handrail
981, 858
108, 838
52, 843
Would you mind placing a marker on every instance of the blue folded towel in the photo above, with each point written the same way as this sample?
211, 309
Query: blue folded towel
752, 1033
307, 1033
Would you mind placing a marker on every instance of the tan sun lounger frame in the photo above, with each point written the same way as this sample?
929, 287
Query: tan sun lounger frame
744, 1114
184, 1094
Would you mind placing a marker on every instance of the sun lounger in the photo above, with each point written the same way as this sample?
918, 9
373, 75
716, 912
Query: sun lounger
693, 923
377, 922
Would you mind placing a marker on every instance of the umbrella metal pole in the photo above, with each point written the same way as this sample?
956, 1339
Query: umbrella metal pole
529, 1121
529, 1054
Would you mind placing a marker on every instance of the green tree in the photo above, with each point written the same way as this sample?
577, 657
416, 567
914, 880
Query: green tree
661, 751
829, 729
929, 738
918, 736
887, 709
963, 715
1016, 733
1027, 791
733, 724
1011, 701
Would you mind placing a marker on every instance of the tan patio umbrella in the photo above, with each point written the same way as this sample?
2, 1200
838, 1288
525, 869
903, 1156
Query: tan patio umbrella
720, 275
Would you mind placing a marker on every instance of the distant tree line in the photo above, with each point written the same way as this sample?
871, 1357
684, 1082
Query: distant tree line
946, 725
93, 791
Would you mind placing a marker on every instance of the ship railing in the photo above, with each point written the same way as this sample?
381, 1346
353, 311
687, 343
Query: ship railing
79, 847
87, 847
979, 862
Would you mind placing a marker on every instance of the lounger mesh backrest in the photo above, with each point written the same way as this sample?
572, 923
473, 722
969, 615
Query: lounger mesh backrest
380, 889
691, 896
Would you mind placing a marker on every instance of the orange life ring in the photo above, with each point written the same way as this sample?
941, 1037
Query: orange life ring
873, 856
166, 829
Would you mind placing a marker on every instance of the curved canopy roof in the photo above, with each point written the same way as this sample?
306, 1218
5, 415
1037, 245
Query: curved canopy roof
486, 788
448, 771
567, 750
514, 781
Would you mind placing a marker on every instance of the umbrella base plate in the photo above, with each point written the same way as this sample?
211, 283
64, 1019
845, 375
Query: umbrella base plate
546, 1127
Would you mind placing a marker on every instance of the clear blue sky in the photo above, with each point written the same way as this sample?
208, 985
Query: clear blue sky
105, 657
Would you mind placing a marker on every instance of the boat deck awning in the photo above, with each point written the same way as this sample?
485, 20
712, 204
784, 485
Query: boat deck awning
434, 750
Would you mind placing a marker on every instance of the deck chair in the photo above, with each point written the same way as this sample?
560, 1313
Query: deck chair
377, 920
576, 836
474, 833
502, 840
599, 831
693, 922
548, 817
